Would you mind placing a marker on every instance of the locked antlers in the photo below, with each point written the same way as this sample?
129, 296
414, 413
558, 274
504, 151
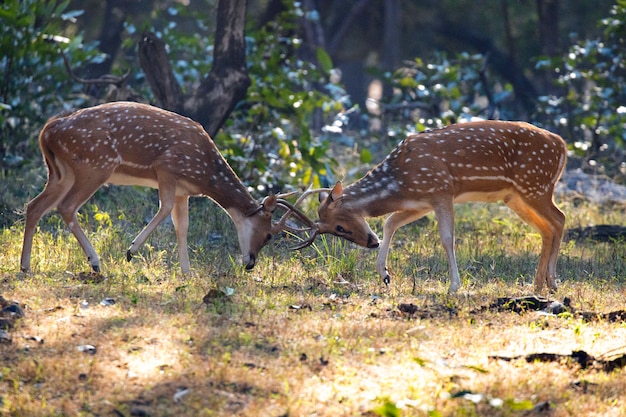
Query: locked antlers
293, 210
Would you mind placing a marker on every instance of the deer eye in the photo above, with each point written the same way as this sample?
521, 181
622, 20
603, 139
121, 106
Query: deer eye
340, 229
268, 237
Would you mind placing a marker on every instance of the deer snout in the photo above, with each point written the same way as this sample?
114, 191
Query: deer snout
372, 241
251, 261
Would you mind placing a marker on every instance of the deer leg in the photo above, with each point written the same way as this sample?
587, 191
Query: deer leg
445, 224
56, 189
167, 197
558, 223
180, 218
549, 221
393, 223
82, 189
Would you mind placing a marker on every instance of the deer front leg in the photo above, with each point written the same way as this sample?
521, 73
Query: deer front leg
167, 197
393, 222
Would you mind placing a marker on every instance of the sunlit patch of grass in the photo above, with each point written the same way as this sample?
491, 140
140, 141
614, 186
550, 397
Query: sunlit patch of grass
305, 333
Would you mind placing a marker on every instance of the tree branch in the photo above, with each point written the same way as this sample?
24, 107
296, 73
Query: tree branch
156, 66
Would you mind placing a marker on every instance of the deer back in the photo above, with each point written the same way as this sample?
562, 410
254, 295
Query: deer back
135, 144
470, 161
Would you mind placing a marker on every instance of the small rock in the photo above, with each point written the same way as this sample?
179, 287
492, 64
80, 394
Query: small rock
14, 310
180, 393
5, 337
87, 349
107, 302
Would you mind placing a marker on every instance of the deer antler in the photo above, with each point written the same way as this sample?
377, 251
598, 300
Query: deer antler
293, 210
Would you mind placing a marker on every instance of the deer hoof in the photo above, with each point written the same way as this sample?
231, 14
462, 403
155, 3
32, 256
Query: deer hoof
387, 280
129, 255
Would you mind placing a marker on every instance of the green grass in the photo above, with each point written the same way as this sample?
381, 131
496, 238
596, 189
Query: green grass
304, 333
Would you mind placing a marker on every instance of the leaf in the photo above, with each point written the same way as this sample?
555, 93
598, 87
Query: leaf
324, 59
366, 156
519, 405
388, 409
420, 361
477, 369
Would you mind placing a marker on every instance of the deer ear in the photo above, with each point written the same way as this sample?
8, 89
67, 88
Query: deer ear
269, 203
337, 192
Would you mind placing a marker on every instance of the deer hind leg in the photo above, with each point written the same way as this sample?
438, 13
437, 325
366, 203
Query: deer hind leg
167, 198
180, 218
393, 223
82, 189
444, 212
549, 221
56, 189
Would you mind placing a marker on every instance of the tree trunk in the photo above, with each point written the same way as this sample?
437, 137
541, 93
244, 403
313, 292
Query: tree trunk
227, 83
110, 39
391, 41
548, 16
156, 66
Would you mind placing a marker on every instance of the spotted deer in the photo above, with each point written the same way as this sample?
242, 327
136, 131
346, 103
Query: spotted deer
127, 143
489, 161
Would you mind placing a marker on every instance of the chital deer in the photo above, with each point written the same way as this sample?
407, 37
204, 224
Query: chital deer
128, 143
477, 161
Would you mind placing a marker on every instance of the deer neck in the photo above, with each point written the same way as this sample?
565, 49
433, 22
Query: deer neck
376, 194
224, 187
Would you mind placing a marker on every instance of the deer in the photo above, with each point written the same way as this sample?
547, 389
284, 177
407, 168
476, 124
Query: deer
483, 161
128, 143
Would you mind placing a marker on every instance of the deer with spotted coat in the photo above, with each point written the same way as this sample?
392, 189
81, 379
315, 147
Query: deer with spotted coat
488, 161
127, 143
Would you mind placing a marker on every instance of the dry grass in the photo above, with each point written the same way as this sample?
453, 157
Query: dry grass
310, 334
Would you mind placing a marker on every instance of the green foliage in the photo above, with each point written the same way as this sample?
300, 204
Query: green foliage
270, 138
590, 110
286, 100
387, 409
442, 91
183, 29
32, 86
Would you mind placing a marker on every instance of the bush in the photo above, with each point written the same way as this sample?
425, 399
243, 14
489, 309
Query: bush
33, 88
34, 84
590, 112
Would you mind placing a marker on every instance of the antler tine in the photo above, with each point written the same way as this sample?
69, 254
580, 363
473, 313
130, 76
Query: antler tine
292, 208
285, 195
307, 242
312, 226
310, 191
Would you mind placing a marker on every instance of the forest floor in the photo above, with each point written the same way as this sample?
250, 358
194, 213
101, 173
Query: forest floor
314, 333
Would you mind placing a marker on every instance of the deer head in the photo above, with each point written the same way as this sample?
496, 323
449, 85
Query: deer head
344, 221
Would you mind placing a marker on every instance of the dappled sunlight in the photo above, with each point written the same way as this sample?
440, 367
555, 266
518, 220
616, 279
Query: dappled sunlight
312, 332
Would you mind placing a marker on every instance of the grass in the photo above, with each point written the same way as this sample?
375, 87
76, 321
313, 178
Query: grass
312, 333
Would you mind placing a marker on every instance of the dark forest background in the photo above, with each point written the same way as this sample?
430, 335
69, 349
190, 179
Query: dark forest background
282, 85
